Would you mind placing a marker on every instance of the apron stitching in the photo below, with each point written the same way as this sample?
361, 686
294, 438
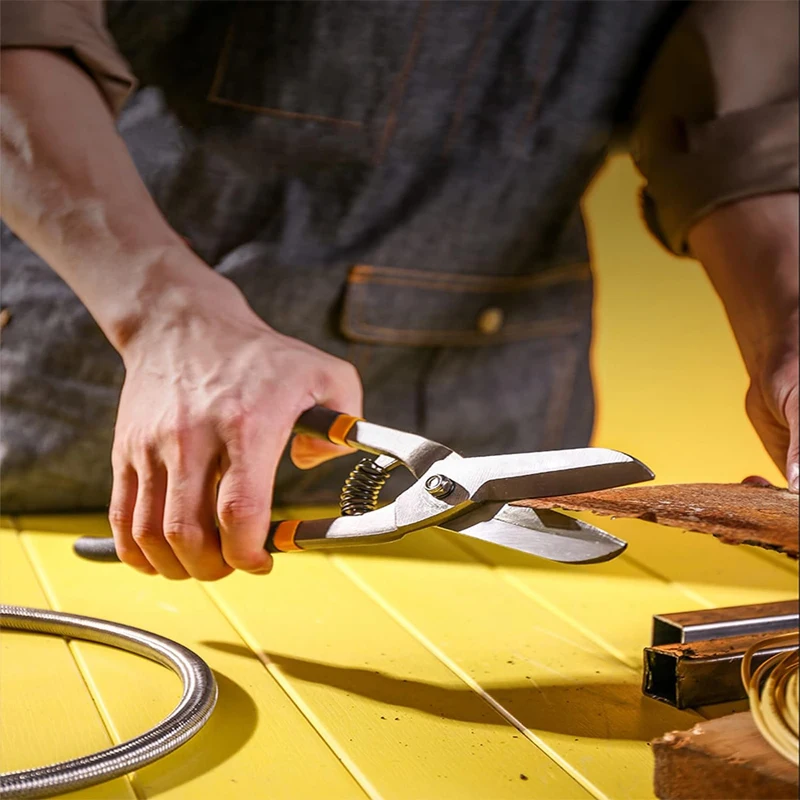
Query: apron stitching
446, 281
402, 81
458, 114
489, 287
222, 64
213, 95
554, 10
279, 112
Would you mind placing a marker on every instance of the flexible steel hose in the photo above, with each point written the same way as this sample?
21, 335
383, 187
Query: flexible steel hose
773, 694
188, 717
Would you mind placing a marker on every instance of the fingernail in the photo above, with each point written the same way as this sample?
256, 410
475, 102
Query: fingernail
794, 476
757, 480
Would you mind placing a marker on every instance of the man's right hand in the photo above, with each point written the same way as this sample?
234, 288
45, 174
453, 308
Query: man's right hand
211, 392
210, 397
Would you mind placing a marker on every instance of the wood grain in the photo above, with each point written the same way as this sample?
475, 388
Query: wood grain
721, 759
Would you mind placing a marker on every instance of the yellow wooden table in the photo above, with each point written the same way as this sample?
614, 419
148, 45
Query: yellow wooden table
434, 667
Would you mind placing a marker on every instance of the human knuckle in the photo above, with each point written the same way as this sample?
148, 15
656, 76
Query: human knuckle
238, 509
119, 517
234, 419
146, 533
348, 372
178, 434
131, 556
119, 457
143, 449
181, 530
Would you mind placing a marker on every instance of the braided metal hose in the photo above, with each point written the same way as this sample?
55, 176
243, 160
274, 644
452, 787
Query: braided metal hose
187, 718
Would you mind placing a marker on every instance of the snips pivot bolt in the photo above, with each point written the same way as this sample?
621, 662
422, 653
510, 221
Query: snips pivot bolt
439, 486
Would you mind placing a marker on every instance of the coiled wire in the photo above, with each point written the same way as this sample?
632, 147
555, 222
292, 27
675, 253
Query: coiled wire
362, 488
187, 718
774, 694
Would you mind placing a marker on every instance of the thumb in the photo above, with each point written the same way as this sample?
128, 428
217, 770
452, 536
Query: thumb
793, 456
342, 392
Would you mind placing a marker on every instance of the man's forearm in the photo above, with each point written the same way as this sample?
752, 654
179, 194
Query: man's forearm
72, 192
750, 251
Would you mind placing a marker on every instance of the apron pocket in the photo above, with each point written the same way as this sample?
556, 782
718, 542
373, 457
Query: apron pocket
386, 305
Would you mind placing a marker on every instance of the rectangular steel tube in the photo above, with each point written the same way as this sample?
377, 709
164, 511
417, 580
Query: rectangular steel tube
723, 623
700, 673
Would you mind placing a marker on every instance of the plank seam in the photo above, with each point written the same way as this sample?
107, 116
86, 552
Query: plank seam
530, 594
73, 647
466, 678
285, 684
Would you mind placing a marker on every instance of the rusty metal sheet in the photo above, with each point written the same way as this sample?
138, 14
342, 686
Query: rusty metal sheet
736, 513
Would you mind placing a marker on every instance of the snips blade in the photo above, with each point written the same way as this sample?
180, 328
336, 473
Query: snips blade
542, 533
523, 476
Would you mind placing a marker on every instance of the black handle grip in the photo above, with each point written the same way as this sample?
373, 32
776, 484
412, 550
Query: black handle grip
96, 548
322, 423
316, 422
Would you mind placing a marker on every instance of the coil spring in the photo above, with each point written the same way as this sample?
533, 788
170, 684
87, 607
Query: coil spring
362, 487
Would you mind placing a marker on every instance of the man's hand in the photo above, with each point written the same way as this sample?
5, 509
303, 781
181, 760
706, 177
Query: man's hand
210, 397
750, 251
772, 405
211, 392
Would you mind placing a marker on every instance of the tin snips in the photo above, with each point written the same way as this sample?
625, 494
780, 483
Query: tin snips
470, 496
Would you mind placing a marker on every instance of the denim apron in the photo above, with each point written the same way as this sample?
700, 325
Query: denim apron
397, 183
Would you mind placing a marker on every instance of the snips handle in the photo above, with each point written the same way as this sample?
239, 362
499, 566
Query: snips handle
323, 423
319, 422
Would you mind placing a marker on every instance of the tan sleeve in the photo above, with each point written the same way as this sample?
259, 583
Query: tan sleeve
77, 26
718, 115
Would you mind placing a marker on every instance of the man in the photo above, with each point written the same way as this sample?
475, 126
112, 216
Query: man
387, 188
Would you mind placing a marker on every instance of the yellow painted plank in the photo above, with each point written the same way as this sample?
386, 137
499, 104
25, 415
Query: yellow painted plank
631, 595
716, 574
46, 710
613, 603
777, 559
578, 701
653, 577
257, 743
388, 706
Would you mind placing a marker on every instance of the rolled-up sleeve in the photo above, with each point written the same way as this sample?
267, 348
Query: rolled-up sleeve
717, 117
76, 26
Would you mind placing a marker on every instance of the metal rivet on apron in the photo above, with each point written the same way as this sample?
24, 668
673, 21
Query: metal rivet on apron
490, 320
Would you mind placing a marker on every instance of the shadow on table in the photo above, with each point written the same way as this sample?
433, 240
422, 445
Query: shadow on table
231, 725
595, 709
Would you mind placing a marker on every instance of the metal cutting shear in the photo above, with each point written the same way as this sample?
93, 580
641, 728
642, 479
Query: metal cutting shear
468, 495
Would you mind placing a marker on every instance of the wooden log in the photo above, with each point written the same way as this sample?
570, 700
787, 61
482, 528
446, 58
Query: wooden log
735, 513
725, 759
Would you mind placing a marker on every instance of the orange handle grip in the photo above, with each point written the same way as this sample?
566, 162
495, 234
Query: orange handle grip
281, 536
322, 423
